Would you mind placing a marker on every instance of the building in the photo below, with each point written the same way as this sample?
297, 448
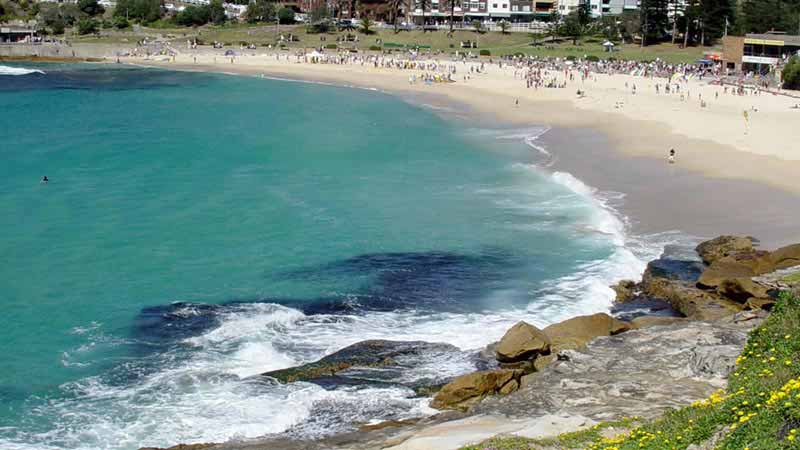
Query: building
18, 31
758, 53
516, 11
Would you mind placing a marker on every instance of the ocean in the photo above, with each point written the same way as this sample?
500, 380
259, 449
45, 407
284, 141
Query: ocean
200, 229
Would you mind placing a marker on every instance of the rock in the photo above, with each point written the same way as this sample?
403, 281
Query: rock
759, 303
741, 289
544, 361
509, 387
625, 289
521, 342
387, 424
365, 354
624, 375
654, 321
680, 291
183, 447
469, 389
722, 270
785, 257
576, 332
723, 246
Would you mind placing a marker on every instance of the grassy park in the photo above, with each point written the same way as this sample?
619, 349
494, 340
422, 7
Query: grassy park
496, 43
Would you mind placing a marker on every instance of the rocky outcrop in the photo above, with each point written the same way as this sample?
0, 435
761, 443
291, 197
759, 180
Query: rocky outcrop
654, 321
578, 331
642, 372
723, 246
522, 341
625, 290
469, 389
365, 354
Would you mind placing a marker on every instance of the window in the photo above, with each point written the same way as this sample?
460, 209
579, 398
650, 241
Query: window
514, 7
505, 5
526, 8
594, 6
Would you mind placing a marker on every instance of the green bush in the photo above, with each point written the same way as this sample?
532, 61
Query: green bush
375, 48
485, 52
193, 16
286, 16
791, 74
592, 58
87, 25
571, 58
332, 46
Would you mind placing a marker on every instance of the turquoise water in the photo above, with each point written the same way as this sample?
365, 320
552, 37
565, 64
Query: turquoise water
199, 229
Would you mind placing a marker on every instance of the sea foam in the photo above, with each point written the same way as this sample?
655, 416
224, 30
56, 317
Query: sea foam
17, 71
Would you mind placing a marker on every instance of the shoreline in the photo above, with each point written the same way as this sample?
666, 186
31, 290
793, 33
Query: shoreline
700, 202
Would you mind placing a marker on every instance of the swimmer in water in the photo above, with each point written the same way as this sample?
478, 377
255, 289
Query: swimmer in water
44, 179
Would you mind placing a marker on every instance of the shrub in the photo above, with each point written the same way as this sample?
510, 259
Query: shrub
286, 16
485, 52
121, 22
592, 58
571, 58
87, 26
375, 48
791, 74
332, 46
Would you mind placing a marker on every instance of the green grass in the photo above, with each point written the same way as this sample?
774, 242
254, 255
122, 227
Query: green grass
498, 44
793, 278
760, 409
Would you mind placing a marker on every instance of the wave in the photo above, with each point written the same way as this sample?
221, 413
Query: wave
17, 71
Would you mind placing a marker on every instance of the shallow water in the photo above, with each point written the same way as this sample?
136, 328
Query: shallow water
199, 229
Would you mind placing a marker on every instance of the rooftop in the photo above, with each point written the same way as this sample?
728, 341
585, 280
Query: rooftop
786, 38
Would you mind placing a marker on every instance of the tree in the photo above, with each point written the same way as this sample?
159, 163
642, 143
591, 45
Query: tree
791, 74
477, 25
504, 26
395, 7
631, 25
366, 25
423, 4
87, 25
90, 7
555, 23
759, 16
146, 11
572, 26
2, 9
194, 16
217, 12
260, 11
655, 20
286, 16
452, 5
121, 22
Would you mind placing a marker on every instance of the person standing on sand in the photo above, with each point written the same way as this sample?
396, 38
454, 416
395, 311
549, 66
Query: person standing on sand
671, 157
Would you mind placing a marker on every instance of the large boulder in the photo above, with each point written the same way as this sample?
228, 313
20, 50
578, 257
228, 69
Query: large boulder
576, 332
723, 246
521, 342
469, 389
785, 257
366, 354
725, 269
742, 289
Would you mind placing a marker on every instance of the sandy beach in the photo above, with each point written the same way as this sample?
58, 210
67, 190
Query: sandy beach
739, 164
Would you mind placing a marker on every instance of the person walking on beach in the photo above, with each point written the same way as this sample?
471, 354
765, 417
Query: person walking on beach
671, 157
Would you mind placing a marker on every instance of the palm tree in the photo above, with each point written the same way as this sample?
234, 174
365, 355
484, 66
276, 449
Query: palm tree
504, 26
394, 11
452, 4
366, 24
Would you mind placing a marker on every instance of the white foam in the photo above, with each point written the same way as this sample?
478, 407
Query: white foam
17, 71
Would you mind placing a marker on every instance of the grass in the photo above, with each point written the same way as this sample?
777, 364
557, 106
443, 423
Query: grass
496, 43
760, 409
793, 278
